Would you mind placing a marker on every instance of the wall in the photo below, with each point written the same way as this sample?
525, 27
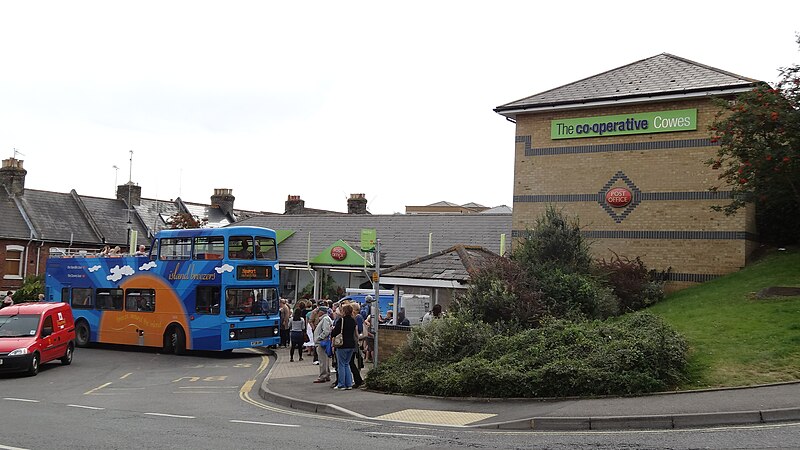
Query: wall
673, 225
391, 338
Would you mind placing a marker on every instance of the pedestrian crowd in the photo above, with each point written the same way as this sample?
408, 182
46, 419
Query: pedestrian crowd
336, 335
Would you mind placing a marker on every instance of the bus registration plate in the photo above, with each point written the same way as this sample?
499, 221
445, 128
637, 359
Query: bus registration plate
256, 343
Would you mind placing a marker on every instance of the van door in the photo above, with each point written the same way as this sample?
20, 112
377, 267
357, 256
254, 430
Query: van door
56, 343
47, 343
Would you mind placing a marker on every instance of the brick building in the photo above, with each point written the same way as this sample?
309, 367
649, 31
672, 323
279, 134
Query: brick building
624, 151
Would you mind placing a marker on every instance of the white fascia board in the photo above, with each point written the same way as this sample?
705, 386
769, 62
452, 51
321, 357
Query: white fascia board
629, 101
450, 284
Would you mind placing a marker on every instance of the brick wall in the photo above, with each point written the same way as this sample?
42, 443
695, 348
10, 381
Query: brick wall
29, 259
672, 225
390, 338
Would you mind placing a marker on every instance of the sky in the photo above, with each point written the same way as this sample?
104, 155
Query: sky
324, 99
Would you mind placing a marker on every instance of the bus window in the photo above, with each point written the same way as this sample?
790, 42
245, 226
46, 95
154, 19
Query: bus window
140, 300
110, 299
207, 300
209, 247
240, 247
65, 295
265, 248
82, 298
245, 302
175, 248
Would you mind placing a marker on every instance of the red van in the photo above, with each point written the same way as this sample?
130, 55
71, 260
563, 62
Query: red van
35, 333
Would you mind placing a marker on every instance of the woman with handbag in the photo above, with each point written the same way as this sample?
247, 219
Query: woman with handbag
344, 333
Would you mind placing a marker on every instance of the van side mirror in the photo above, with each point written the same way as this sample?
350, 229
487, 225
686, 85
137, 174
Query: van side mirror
47, 331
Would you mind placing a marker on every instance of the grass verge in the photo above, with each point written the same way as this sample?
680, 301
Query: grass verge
735, 338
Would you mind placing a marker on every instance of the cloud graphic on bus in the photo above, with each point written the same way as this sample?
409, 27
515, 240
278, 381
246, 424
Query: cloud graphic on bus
224, 268
94, 268
117, 273
149, 265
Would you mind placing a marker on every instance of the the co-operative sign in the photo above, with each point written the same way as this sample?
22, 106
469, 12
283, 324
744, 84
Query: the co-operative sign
636, 123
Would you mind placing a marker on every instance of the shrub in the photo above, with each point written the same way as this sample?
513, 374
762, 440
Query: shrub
634, 354
630, 280
574, 295
555, 241
503, 295
32, 286
448, 339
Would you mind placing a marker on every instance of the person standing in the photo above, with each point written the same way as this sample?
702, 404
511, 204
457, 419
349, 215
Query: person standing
7, 301
346, 326
322, 335
298, 329
286, 316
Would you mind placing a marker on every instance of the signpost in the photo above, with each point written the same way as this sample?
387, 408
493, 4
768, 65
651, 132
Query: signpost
376, 308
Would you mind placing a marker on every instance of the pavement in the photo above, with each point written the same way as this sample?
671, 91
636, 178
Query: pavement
290, 384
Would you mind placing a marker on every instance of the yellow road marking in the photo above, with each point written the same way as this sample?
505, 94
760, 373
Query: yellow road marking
92, 391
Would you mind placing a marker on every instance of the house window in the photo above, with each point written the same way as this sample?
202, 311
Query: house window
13, 262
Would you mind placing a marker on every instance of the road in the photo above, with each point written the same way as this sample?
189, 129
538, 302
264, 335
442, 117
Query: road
123, 397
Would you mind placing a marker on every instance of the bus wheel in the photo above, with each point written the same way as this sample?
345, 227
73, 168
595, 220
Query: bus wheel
82, 334
176, 341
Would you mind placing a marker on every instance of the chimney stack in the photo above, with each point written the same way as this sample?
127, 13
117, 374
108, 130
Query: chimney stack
294, 205
130, 193
357, 204
12, 176
223, 199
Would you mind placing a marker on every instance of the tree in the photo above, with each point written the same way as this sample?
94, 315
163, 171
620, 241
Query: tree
182, 220
759, 154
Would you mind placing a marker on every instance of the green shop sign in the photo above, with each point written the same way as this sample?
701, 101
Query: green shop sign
636, 123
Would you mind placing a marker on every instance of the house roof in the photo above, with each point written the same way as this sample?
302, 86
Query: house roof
658, 76
456, 263
12, 223
403, 237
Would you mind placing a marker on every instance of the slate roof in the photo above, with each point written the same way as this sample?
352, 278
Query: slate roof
111, 218
660, 75
56, 217
456, 263
152, 212
403, 237
502, 209
12, 224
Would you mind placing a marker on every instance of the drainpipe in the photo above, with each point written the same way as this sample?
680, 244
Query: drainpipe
38, 256
25, 262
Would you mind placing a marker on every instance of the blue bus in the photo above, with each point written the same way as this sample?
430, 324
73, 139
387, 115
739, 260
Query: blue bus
198, 289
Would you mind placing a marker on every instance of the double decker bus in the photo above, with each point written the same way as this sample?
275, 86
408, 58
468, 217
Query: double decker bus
198, 289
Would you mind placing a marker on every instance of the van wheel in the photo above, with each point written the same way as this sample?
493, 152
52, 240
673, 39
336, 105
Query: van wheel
82, 334
67, 359
33, 369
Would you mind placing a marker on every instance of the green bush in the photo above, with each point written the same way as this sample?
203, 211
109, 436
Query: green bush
574, 295
554, 242
503, 295
448, 339
630, 280
634, 354
32, 286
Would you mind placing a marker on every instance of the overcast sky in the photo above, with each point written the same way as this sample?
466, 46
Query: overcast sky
324, 99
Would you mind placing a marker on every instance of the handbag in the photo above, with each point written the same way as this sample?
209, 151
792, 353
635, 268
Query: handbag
338, 340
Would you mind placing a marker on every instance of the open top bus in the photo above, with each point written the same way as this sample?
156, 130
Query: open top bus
198, 289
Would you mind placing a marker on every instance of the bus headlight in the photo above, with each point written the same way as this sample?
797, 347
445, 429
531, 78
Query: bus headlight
233, 335
275, 331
